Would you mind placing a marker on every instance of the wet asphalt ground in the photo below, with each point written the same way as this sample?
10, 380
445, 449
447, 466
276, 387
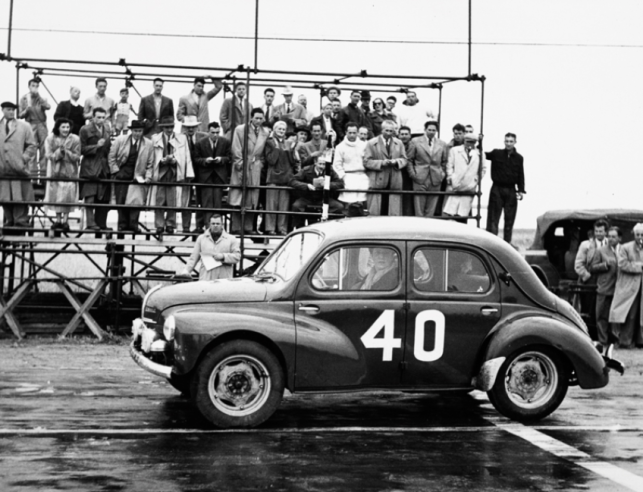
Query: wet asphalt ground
83, 416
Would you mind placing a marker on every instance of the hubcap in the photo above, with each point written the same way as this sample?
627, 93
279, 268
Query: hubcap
239, 385
531, 380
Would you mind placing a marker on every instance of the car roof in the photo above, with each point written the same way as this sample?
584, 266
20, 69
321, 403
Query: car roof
405, 228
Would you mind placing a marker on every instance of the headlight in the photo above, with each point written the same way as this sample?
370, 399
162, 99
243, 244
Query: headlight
168, 328
144, 305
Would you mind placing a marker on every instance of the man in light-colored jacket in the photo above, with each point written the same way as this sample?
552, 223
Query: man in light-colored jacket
462, 175
217, 252
626, 306
17, 147
196, 102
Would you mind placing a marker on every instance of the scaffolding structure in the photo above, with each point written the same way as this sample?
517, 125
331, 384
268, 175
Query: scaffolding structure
124, 262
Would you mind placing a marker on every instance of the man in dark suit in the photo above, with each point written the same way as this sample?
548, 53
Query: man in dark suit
605, 267
154, 107
212, 167
310, 184
327, 123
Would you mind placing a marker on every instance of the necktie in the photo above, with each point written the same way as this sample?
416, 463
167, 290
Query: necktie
7, 128
267, 113
288, 108
256, 132
135, 145
388, 147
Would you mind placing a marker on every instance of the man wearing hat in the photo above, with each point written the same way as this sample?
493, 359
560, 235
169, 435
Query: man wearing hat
462, 175
131, 159
190, 125
18, 147
196, 102
293, 114
172, 164
94, 168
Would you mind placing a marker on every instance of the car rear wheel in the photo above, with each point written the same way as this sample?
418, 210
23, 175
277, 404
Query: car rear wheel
238, 384
531, 384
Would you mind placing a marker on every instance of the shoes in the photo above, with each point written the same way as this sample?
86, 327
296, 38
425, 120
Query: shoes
136, 230
169, 230
159, 231
65, 226
198, 230
270, 233
283, 233
186, 230
92, 228
106, 228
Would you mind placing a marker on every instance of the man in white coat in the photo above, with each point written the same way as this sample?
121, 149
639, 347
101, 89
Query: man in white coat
462, 175
348, 163
172, 164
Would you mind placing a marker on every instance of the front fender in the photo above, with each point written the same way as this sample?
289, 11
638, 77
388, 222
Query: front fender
577, 347
199, 327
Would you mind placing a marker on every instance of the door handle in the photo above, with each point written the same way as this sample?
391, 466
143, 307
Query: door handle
309, 309
486, 311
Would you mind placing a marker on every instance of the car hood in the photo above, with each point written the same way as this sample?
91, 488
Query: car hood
205, 292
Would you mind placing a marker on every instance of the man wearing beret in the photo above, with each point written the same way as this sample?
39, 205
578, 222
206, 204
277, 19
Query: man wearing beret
18, 147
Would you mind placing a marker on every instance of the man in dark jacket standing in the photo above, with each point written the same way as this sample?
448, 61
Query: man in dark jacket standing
94, 147
310, 184
154, 107
508, 178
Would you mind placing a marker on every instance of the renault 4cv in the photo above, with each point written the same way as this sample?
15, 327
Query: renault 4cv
387, 303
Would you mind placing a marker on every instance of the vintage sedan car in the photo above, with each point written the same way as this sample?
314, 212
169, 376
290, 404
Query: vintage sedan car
394, 303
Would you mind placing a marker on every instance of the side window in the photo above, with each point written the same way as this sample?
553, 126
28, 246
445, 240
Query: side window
358, 268
466, 273
442, 270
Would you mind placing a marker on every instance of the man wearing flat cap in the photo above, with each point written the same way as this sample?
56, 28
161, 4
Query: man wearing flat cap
131, 159
172, 164
293, 114
462, 175
18, 146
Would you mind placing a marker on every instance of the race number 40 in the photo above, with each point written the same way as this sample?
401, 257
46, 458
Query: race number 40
387, 342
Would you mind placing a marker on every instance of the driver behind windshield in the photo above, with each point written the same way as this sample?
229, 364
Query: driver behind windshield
383, 272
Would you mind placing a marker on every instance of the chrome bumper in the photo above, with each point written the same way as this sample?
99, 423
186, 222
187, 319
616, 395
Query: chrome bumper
139, 330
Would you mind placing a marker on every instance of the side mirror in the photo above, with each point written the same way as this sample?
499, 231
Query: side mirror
505, 277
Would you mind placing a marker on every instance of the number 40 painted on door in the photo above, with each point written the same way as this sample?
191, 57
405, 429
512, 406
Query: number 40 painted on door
388, 342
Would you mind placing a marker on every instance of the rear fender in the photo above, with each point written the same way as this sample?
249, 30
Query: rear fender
515, 334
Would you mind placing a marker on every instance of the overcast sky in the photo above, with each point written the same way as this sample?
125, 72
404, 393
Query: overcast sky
563, 75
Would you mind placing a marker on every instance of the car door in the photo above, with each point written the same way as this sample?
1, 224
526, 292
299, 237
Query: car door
350, 317
454, 301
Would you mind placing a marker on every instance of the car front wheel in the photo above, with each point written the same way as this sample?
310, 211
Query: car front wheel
239, 383
530, 385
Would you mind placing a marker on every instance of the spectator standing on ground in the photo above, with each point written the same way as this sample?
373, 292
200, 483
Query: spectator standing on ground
32, 110
154, 107
605, 267
196, 102
131, 159
94, 146
508, 176
17, 147
62, 149
462, 175
217, 252
588, 250
626, 306
72, 110
428, 169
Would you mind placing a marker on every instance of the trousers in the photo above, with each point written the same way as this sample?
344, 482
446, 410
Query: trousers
502, 199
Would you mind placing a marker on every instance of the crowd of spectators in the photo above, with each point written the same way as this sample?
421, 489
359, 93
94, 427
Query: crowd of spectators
370, 147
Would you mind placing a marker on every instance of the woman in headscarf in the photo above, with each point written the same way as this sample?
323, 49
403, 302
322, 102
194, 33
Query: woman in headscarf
62, 150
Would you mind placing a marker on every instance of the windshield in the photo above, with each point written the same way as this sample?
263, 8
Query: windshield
291, 255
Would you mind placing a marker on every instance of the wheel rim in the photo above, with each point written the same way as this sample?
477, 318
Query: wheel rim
531, 380
239, 385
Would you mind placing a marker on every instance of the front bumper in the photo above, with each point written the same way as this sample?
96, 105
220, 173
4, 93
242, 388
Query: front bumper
143, 341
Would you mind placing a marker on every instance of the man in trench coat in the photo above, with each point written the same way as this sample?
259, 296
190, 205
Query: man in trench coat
17, 147
131, 158
626, 306
257, 136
